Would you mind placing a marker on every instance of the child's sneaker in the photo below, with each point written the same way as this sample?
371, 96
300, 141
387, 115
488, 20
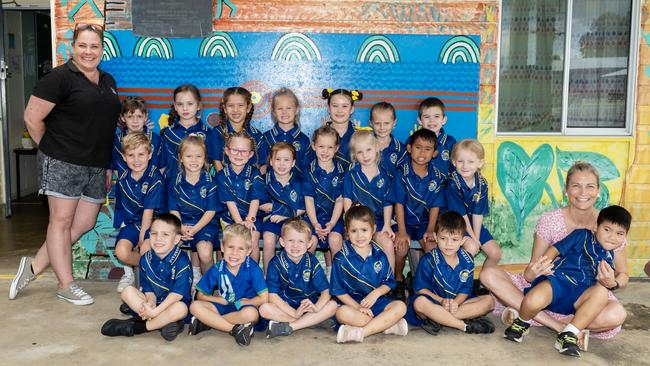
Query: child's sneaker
567, 344
118, 327
128, 279
75, 295
479, 326
401, 328
348, 333
171, 330
243, 333
23, 277
196, 326
278, 329
517, 330
125, 309
430, 326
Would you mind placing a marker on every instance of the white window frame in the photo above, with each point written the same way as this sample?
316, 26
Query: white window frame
632, 80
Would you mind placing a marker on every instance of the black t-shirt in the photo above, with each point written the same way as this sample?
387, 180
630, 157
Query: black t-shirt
81, 126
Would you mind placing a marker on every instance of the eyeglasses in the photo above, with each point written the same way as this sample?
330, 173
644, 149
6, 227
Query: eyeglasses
238, 151
85, 26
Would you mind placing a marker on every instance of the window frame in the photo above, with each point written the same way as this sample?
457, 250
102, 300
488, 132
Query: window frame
632, 81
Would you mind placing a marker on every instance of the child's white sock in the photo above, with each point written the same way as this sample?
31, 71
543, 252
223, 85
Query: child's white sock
128, 271
196, 273
571, 328
329, 272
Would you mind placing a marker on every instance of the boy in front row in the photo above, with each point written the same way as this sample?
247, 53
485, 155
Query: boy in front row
229, 294
574, 277
166, 278
299, 294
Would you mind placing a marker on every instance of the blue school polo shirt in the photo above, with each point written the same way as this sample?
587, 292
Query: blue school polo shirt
132, 196
418, 195
247, 284
299, 140
294, 282
393, 156
436, 275
171, 140
323, 187
239, 188
443, 160
119, 165
192, 200
287, 200
356, 276
217, 141
466, 201
580, 254
170, 274
376, 194
343, 154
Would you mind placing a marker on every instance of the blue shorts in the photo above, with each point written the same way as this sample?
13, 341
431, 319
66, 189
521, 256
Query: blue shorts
227, 309
338, 228
565, 294
275, 228
414, 232
484, 236
209, 232
131, 232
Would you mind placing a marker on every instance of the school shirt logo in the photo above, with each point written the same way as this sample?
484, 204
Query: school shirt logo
445, 154
380, 183
335, 181
432, 185
145, 187
306, 274
201, 134
296, 145
294, 196
464, 275
203, 192
476, 197
377, 266
247, 184
393, 158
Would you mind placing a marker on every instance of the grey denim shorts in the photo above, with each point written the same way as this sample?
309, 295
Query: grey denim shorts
60, 179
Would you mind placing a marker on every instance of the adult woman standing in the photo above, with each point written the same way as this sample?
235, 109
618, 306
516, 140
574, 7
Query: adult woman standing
71, 115
582, 189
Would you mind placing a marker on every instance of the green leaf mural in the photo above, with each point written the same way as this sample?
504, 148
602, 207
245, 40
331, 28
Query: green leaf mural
522, 178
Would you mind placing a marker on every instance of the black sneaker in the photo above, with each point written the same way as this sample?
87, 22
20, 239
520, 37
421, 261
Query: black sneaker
196, 326
479, 326
430, 326
125, 309
517, 330
171, 330
398, 292
118, 327
243, 333
567, 344
277, 329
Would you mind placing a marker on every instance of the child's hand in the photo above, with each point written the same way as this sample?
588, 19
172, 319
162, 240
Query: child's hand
402, 241
187, 232
606, 275
277, 218
311, 307
446, 304
328, 228
386, 230
369, 300
541, 267
367, 312
249, 224
148, 311
319, 231
453, 306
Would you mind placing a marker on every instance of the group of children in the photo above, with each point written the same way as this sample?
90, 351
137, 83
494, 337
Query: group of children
359, 194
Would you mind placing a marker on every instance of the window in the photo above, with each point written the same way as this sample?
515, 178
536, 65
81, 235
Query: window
565, 66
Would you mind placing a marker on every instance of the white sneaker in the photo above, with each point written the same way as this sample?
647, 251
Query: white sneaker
75, 295
128, 279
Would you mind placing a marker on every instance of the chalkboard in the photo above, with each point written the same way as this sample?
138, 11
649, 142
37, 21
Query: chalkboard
172, 18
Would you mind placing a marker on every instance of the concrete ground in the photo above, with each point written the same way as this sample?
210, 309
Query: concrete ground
42, 330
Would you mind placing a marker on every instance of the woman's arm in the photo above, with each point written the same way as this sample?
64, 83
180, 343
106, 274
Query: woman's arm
35, 112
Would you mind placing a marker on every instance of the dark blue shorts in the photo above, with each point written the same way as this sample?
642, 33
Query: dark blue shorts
227, 309
275, 228
565, 294
485, 235
131, 232
414, 232
338, 228
209, 232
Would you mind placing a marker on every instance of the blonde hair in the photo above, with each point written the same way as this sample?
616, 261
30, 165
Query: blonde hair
237, 231
133, 140
581, 166
296, 224
195, 140
361, 136
468, 144
285, 92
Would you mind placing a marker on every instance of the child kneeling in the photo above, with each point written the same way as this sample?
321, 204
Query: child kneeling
240, 289
299, 295
166, 278
361, 279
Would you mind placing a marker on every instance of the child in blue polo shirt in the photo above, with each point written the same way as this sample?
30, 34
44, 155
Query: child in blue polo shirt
229, 294
298, 289
382, 121
418, 199
361, 279
285, 111
467, 193
134, 116
165, 277
192, 197
138, 192
443, 284
235, 116
371, 185
284, 198
431, 115
240, 186
574, 276
340, 106
323, 189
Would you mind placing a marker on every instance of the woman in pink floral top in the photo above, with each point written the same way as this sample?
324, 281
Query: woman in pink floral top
582, 189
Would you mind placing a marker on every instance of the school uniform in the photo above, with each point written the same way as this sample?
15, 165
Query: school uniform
294, 282
355, 276
246, 284
132, 197
218, 143
297, 139
171, 140
468, 201
393, 156
376, 193
343, 153
324, 188
192, 201
418, 196
443, 159
574, 270
117, 162
171, 274
287, 200
241, 189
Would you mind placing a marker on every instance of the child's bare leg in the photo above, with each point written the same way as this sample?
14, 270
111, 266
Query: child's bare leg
426, 308
124, 252
475, 307
335, 241
314, 244
173, 313
134, 298
536, 300
348, 315
255, 252
386, 319
204, 251
207, 313
309, 319
247, 314
145, 246
269, 248
194, 258
589, 305
387, 246
492, 253
273, 312
400, 262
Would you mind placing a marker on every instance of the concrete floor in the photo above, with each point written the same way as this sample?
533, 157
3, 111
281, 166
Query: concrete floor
41, 330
